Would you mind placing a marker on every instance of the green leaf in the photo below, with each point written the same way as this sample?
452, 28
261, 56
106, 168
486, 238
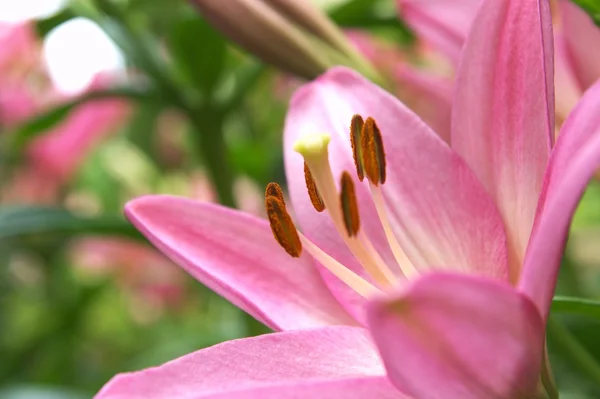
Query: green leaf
17, 221
369, 14
44, 26
580, 306
39, 392
199, 51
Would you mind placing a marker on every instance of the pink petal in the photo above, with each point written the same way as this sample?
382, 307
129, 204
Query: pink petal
19, 45
236, 255
503, 114
429, 96
582, 38
443, 23
17, 104
456, 336
442, 215
226, 370
573, 162
568, 90
350, 388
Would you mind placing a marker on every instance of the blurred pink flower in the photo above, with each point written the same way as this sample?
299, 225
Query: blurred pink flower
61, 151
150, 280
16, 105
25, 91
21, 70
19, 49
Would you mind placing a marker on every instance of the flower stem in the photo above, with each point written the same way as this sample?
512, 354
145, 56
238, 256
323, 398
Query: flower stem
207, 124
574, 349
211, 145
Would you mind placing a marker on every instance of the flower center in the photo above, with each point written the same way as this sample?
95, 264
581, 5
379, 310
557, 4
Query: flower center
369, 158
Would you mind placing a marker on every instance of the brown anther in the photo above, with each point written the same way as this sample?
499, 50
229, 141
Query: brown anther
373, 152
311, 186
349, 205
356, 126
274, 189
282, 226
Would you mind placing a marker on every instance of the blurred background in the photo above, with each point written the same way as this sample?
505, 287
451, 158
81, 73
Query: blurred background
102, 101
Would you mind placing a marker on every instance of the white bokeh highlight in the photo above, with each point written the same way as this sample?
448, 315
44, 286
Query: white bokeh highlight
76, 51
19, 10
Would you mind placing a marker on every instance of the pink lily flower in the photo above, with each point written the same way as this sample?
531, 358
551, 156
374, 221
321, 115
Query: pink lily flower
445, 25
433, 278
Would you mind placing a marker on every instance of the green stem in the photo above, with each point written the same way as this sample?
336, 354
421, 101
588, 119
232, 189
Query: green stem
547, 378
247, 78
132, 44
572, 347
207, 124
211, 146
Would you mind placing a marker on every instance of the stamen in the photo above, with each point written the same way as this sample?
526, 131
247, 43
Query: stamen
351, 279
282, 226
274, 189
313, 193
373, 152
314, 149
293, 241
349, 205
356, 126
408, 269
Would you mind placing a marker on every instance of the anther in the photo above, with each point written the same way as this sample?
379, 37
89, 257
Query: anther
274, 190
349, 205
313, 193
373, 154
356, 126
282, 226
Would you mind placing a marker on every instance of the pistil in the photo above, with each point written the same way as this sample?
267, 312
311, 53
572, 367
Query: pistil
314, 149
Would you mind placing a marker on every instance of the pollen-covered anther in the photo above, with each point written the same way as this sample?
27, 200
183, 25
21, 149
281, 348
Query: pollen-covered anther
282, 226
373, 154
349, 205
313, 193
356, 126
274, 190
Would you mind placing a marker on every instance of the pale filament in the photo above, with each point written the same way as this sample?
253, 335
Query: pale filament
408, 269
347, 276
360, 246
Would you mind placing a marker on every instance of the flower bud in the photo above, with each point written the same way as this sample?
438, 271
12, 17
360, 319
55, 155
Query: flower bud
260, 29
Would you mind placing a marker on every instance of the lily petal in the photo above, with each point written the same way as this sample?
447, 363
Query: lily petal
350, 388
236, 255
429, 96
568, 89
582, 37
441, 214
300, 357
444, 24
459, 336
574, 160
503, 110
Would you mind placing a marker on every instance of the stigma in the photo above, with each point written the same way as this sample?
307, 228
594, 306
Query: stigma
343, 208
